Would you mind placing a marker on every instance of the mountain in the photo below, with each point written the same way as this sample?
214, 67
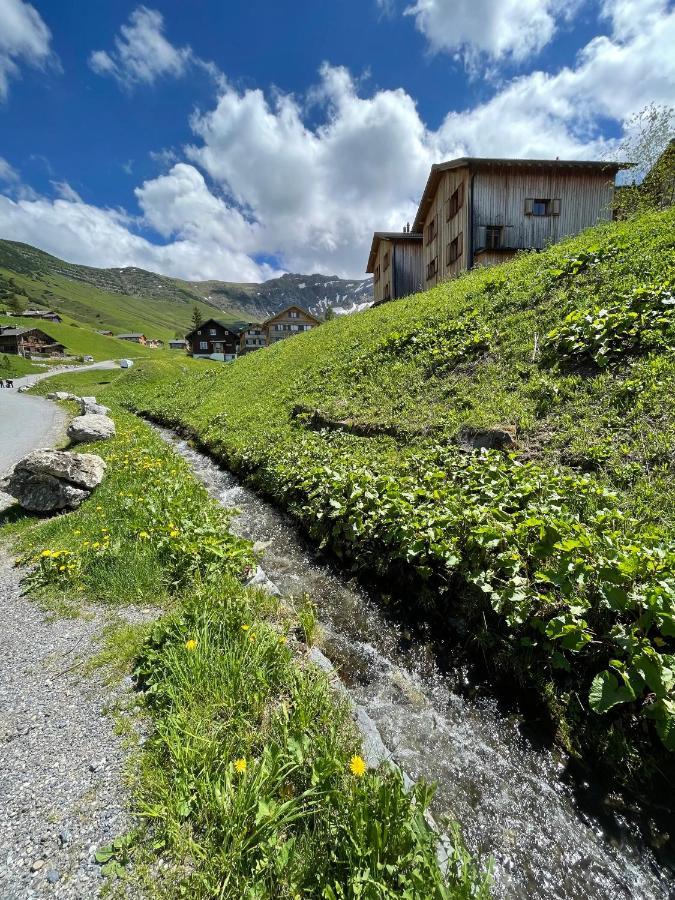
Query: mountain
134, 299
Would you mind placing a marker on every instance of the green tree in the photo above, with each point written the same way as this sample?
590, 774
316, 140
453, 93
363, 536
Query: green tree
197, 317
16, 304
329, 314
649, 144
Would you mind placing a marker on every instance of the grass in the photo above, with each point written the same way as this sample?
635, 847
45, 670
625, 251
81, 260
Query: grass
12, 366
251, 783
559, 557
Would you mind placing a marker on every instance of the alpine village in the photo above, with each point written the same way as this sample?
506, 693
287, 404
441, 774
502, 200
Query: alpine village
350, 586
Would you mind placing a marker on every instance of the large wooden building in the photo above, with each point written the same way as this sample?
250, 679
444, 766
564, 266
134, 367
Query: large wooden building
395, 262
479, 212
288, 322
213, 340
29, 342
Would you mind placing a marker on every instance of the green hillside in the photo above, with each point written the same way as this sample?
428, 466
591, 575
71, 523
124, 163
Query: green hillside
40, 280
555, 562
81, 340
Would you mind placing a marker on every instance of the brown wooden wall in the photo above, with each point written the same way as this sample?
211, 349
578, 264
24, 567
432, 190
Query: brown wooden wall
408, 277
384, 281
446, 231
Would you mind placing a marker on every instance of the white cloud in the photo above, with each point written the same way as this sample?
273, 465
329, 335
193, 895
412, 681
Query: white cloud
66, 192
514, 29
8, 173
24, 37
142, 54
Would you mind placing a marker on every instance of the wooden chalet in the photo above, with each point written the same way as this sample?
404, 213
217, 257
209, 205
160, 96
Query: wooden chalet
133, 338
213, 340
287, 323
252, 338
29, 342
395, 262
479, 212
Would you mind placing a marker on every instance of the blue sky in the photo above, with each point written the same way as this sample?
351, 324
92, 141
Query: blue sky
236, 140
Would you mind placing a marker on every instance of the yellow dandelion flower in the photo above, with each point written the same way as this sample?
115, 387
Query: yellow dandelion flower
191, 644
245, 627
85, 543
240, 765
174, 533
78, 533
144, 535
46, 553
282, 639
251, 636
357, 766
96, 545
99, 509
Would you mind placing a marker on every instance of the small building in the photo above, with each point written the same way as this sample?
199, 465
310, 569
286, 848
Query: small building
154, 343
47, 314
133, 338
179, 344
480, 212
288, 322
29, 342
104, 331
395, 262
213, 340
251, 338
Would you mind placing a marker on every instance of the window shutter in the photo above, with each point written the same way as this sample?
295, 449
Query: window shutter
460, 195
480, 243
555, 207
460, 244
529, 205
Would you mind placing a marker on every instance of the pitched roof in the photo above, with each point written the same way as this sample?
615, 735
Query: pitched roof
13, 332
287, 309
388, 236
215, 322
482, 162
136, 334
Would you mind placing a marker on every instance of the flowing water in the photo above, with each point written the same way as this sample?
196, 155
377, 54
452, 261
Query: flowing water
509, 797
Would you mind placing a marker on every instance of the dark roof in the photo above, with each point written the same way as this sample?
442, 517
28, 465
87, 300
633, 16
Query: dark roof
389, 236
215, 322
482, 162
135, 334
291, 306
13, 332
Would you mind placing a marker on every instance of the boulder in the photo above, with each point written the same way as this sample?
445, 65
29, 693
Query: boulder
51, 480
499, 437
84, 470
89, 406
91, 427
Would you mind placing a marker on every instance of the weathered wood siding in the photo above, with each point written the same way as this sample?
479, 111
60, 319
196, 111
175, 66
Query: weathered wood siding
384, 282
446, 231
499, 199
407, 277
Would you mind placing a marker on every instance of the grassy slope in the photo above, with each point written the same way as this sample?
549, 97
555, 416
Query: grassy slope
250, 783
118, 313
529, 547
81, 340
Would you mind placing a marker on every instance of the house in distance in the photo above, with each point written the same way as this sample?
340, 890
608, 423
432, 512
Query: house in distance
480, 212
288, 322
395, 262
29, 342
213, 340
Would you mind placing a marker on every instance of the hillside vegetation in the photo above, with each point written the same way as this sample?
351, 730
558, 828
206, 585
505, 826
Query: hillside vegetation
555, 563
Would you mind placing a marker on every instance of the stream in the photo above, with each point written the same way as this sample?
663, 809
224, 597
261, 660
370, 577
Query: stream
509, 796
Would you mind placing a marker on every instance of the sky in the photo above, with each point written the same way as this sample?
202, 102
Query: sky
238, 140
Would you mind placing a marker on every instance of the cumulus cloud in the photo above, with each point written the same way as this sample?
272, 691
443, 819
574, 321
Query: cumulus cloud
8, 173
262, 179
24, 38
509, 29
142, 54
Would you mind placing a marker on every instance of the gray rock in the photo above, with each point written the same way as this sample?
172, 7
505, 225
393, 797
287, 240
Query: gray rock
91, 428
52, 876
83, 470
37, 865
89, 406
50, 480
62, 395
500, 437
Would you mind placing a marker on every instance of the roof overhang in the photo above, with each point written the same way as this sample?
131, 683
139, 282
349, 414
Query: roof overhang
393, 236
476, 163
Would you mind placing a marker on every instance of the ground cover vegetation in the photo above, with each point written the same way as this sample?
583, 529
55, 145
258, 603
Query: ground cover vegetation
554, 562
252, 783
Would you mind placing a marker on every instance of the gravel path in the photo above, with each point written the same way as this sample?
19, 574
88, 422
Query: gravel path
61, 785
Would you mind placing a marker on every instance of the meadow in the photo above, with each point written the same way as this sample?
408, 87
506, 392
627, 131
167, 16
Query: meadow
557, 557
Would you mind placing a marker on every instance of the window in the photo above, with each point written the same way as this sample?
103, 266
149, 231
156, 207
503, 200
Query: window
294, 327
542, 207
212, 330
278, 327
454, 249
377, 273
387, 292
432, 268
293, 314
203, 345
431, 230
386, 261
493, 237
455, 202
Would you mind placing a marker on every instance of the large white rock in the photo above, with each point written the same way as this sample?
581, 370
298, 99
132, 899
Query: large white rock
62, 395
91, 427
89, 406
50, 480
